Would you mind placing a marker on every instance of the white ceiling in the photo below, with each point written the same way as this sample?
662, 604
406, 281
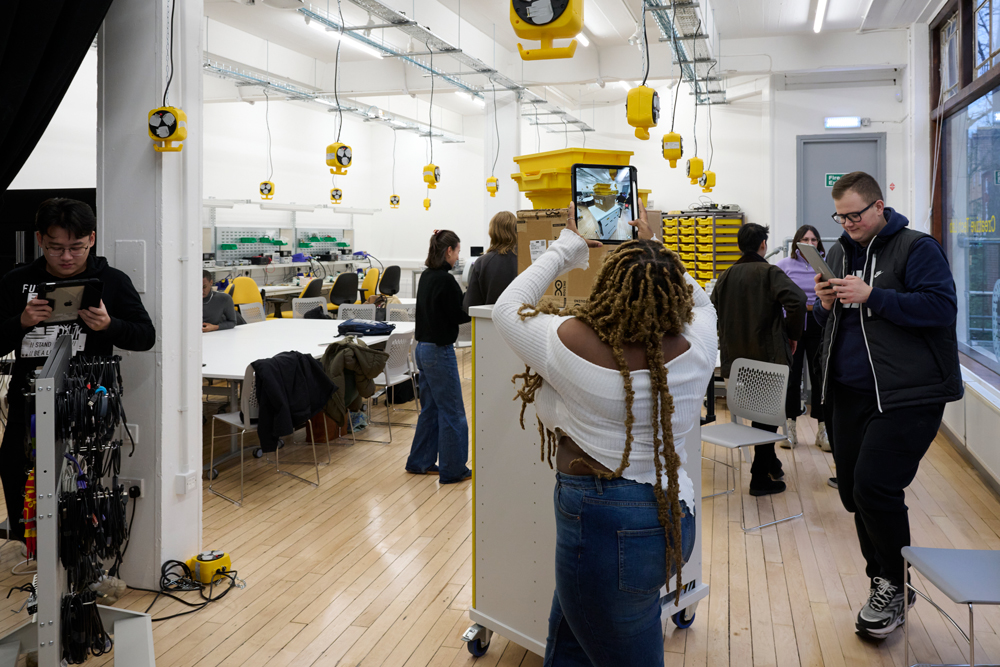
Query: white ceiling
770, 18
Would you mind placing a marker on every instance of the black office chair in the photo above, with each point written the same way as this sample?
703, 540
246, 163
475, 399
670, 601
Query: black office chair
312, 290
344, 290
390, 281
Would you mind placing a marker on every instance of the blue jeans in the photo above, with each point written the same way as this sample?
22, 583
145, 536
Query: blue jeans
610, 565
442, 433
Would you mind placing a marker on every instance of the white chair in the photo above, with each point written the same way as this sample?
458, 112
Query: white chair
966, 576
302, 306
397, 371
253, 312
356, 311
464, 340
249, 409
755, 391
399, 312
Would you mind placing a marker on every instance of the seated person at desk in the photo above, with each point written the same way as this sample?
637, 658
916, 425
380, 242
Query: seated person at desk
217, 309
66, 230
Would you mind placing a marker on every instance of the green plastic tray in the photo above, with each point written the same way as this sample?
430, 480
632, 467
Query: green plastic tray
248, 239
227, 246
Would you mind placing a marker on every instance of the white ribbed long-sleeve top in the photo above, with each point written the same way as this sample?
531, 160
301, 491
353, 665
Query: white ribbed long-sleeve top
586, 401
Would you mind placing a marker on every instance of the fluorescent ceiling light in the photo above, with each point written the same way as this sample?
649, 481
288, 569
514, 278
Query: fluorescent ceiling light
626, 85
326, 102
350, 42
841, 122
479, 102
820, 14
996, 117
288, 207
582, 38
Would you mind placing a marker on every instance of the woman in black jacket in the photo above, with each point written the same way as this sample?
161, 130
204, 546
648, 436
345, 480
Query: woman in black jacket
491, 273
442, 432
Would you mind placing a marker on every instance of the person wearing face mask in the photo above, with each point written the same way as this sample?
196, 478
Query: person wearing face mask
217, 309
441, 440
802, 274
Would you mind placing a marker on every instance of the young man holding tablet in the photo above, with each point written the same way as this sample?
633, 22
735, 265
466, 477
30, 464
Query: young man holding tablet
66, 230
890, 359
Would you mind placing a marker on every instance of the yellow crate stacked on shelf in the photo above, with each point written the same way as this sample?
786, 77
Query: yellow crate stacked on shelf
706, 243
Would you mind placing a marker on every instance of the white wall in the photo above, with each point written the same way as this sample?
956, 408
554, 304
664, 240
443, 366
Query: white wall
66, 155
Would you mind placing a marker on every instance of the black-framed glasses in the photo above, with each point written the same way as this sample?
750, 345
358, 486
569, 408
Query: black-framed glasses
852, 217
74, 251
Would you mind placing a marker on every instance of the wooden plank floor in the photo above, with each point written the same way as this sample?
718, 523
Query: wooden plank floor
374, 568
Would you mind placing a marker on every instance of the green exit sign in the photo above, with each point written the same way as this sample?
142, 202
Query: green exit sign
996, 177
833, 178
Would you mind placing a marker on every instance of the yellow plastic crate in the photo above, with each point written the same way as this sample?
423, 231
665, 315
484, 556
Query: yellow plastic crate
687, 239
704, 275
704, 221
687, 222
687, 257
545, 177
727, 222
687, 247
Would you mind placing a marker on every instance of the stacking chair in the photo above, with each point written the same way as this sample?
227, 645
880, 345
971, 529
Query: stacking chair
252, 312
249, 409
397, 371
356, 311
312, 290
399, 312
369, 285
389, 285
755, 391
344, 290
464, 340
302, 306
966, 576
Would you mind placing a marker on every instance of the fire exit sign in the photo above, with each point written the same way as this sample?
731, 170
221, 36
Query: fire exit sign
833, 178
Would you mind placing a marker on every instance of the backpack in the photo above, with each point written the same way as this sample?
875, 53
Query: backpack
365, 328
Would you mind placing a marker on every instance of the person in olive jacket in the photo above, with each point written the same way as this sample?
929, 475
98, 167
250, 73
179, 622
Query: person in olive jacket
761, 316
66, 230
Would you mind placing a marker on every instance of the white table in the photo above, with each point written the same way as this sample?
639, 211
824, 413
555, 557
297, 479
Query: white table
226, 354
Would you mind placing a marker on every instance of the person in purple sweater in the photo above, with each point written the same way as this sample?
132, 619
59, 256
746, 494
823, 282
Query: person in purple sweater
798, 269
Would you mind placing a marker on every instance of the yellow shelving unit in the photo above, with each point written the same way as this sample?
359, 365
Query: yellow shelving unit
705, 241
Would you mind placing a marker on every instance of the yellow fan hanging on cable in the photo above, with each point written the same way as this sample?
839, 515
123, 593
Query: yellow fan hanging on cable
545, 21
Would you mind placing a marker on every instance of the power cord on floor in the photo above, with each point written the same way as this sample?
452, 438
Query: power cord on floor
176, 576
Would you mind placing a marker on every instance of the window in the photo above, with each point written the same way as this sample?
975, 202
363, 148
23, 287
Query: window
949, 57
971, 208
987, 36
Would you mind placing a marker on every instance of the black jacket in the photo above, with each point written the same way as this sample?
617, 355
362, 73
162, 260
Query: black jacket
291, 388
130, 328
439, 307
749, 297
904, 336
489, 277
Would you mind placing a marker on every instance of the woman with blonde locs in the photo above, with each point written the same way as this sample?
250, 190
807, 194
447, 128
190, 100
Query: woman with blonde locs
617, 384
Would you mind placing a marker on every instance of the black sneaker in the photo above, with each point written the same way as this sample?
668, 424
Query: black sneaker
776, 472
833, 482
883, 612
765, 487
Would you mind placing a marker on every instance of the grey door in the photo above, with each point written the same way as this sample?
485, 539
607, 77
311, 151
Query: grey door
821, 158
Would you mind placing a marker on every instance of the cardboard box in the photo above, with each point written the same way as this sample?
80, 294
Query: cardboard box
537, 228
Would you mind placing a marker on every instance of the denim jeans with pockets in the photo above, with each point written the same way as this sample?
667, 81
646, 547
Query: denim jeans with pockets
610, 566
442, 433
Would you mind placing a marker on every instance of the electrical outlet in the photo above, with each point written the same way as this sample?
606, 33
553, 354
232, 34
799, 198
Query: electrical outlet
185, 482
129, 482
133, 429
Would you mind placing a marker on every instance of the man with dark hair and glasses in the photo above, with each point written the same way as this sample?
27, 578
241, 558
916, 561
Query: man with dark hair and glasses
65, 230
890, 359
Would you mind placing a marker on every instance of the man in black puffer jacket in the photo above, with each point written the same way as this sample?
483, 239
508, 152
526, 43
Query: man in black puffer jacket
890, 359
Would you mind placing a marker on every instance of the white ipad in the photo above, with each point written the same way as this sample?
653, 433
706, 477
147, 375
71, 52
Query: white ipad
812, 256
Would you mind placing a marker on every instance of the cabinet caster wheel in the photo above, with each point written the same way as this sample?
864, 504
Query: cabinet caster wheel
258, 453
477, 647
215, 473
682, 620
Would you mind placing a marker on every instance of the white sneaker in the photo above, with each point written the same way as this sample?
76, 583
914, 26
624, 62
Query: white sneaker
822, 441
790, 434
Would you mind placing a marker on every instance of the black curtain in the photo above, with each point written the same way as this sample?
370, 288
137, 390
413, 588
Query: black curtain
41, 47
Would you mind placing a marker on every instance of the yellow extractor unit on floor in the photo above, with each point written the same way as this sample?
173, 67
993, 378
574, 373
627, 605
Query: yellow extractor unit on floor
207, 565
339, 158
167, 125
547, 20
642, 109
